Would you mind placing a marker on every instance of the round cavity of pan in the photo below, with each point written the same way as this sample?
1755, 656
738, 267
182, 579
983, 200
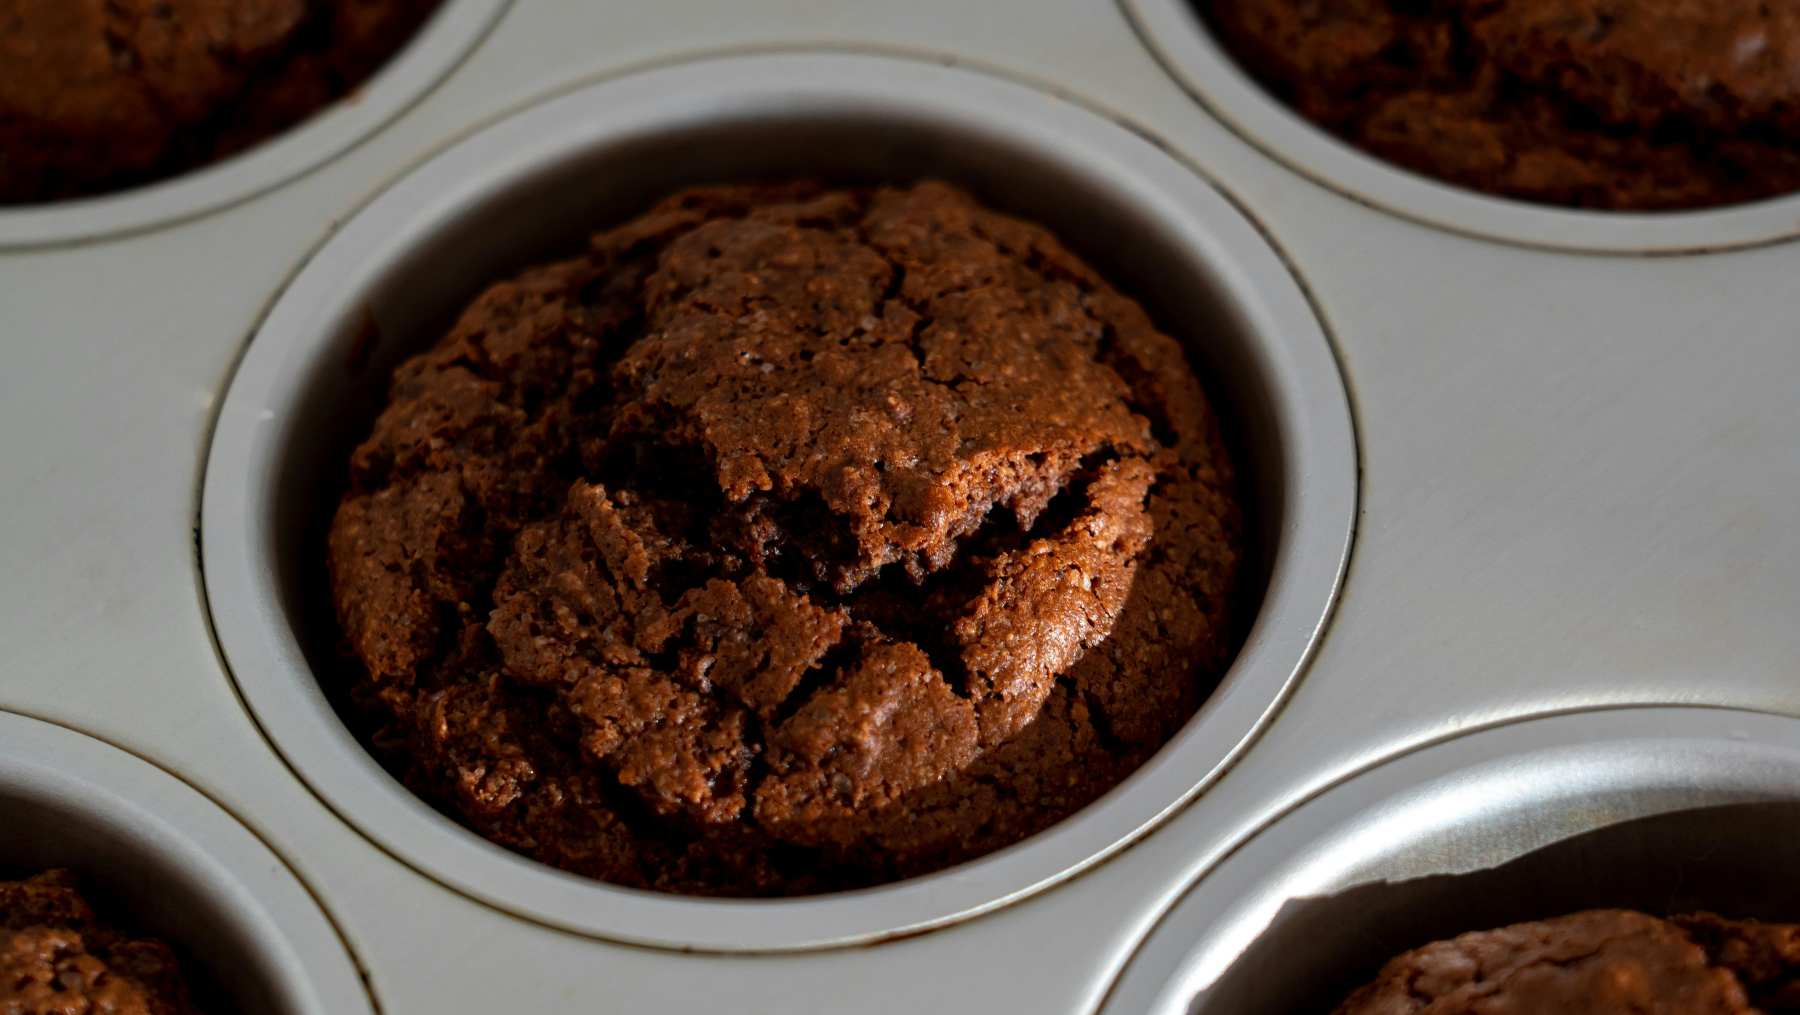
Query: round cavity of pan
1663, 810
540, 181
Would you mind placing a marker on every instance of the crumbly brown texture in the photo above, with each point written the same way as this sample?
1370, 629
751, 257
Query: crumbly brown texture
58, 958
789, 540
97, 95
1601, 962
1610, 104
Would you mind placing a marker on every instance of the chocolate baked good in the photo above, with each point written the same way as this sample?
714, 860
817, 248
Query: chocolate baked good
1611, 104
1601, 962
788, 540
97, 95
58, 958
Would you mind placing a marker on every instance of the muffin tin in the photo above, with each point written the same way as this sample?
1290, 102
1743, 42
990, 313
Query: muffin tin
1559, 472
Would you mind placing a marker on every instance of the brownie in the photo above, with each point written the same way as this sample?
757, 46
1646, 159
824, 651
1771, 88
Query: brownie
1601, 962
99, 95
1607, 104
789, 539
58, 958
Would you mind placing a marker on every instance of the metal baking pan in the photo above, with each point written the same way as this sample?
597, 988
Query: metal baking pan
1509, 461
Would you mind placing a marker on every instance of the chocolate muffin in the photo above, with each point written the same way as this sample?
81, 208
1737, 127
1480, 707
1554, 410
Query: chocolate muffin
789, 539
58, 958
1609, 104
1602, 962
98, 95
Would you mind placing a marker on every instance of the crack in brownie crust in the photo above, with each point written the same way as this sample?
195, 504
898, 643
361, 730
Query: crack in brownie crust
98, 95
1613, 104
791, 539
58, 958
1602, 962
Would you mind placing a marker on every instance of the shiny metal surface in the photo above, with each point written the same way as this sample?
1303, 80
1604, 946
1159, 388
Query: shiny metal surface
1663, 810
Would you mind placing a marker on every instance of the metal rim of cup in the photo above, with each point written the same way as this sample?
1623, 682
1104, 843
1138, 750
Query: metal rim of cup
950, 113
178, 865
1624, 807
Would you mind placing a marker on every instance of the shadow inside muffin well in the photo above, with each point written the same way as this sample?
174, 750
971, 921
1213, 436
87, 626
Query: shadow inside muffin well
1736, 860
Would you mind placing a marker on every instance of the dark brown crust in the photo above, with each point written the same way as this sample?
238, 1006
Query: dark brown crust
1601, 962
1611, 104
790, 540
58, 958
1765, 957
98, 95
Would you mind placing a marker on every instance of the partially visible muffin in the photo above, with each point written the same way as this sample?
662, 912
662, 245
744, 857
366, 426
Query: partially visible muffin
1601, 962
1609, 104
57, 957
790, 539
98, 95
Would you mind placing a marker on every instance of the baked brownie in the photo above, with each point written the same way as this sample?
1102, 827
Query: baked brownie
1612, 104
789, 539
1602, 962
97, 95
58, 958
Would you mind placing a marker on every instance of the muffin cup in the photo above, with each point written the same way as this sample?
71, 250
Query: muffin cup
537, 183
1665, 810
440, 45
1180, 38
155, 855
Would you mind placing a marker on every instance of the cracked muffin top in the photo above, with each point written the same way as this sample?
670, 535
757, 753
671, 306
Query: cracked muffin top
1601, 962
98, 95
58, 958
1610, 104
790, 539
